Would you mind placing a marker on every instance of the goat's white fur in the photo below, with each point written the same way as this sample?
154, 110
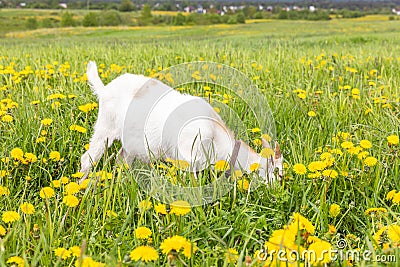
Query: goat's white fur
201, 141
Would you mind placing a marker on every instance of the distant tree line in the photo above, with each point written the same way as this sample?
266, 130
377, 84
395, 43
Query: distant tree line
116, 18
113, 13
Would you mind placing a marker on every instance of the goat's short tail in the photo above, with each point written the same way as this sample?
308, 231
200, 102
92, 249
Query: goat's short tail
94, 80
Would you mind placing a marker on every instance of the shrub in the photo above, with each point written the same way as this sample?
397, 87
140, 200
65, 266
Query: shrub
240, 18
126, 6
179, 19
110, 18
232, 20
258, 15
31, 24
67, 20
90, 20
48, 23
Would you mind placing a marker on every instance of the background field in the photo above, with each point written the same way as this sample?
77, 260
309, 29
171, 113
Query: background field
346, 71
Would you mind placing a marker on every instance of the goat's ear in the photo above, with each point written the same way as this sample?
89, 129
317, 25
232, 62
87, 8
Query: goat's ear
278, 153
265, 143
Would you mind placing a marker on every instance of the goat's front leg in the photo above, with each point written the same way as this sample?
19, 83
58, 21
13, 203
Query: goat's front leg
98, 143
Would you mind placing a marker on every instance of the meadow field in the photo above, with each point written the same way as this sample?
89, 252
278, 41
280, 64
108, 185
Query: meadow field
333, 89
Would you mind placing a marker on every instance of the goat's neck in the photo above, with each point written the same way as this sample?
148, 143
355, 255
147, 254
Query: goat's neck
246, 157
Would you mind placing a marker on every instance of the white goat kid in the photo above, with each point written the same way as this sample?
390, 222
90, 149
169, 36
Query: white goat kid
152, 120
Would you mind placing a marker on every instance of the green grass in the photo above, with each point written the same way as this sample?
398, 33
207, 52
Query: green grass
312, 56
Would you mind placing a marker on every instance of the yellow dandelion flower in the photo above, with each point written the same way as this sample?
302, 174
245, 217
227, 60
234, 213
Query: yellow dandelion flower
256, 130
375, 211
365, 144
172, 243
344, 173
17, 153
7, 118
299, 168
313, 239
370, 161
355, 150
78, 128
2, 231
189, 249
77, 175
266, 137
71, 201
311, 113
314, 175
47, 192
88, 262
267, 152
10, 216
144, 253
145, 205
64, 180
325, 156
396, 198
3, 173
17, 260
302, 95
47, 121
56, 183
160, 208
88, 107
75, 251
243, 184
362, 155
56, 96
394, 233
393, 139
347, 144
30, 157
84, 184
301, 223
257, 142
142, 232
221, 165
62, 253
181, 164
54, 156
320, 255
4, 191
330, 173
232, 255
334, 210
72, 188
111, 213
389, 195
254, 166
27, 208
316, 166
41, 139
332, 229
180, 207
